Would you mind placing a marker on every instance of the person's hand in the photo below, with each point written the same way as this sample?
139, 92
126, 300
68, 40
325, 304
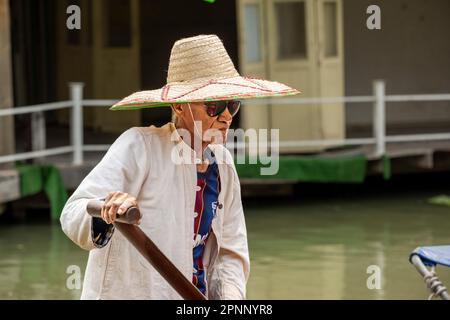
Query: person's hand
117, 203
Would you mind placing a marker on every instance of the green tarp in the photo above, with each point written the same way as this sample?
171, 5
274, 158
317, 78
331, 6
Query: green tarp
343, 169
47, 178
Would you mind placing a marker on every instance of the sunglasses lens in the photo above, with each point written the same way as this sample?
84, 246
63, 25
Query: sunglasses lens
233, 107
214, 108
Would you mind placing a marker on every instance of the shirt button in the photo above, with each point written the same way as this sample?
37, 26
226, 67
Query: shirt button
220, 206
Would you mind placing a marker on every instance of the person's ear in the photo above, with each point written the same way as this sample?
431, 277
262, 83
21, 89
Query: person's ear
177, 108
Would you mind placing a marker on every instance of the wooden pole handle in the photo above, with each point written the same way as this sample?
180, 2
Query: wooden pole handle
131, 216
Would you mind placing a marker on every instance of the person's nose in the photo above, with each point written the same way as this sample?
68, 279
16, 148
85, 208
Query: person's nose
225, 117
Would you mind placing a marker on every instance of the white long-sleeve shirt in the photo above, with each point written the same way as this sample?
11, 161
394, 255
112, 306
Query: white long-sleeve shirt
154, 165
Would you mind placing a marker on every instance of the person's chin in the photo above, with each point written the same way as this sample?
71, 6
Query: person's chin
221, 140
224, 136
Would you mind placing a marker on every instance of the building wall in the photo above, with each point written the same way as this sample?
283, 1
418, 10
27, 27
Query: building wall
411, 52
6, 123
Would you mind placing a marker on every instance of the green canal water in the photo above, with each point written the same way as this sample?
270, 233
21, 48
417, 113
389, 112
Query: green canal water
316, 245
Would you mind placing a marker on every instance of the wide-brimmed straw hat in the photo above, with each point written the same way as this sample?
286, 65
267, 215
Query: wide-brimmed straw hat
200, 69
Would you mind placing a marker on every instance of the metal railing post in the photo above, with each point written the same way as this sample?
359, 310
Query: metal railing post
76, 123
379, 117
38, 136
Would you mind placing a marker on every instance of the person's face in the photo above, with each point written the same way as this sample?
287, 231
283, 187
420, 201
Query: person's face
221, 123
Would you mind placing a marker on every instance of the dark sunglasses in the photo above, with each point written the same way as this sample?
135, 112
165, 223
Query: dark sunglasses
215, 108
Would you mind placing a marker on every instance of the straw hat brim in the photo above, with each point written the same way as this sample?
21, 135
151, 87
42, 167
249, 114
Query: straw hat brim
234, 88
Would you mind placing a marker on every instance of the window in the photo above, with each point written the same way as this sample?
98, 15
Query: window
330, 29
291, 30
252, 33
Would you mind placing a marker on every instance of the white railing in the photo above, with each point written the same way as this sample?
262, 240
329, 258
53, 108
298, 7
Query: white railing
77, 104
379, 100
77, 146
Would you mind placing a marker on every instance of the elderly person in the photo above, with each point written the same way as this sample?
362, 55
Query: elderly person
180, 176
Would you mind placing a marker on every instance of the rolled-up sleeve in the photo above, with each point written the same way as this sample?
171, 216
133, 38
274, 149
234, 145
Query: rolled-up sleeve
123, 168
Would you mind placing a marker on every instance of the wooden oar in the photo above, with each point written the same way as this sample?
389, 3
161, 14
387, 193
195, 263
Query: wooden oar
125, 224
